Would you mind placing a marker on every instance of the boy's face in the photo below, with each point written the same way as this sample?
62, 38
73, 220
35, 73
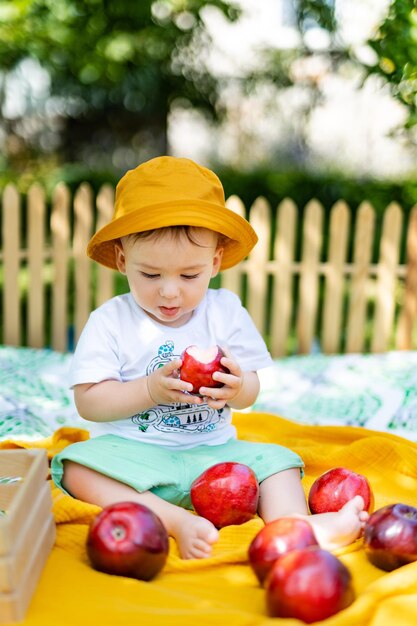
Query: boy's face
168, 276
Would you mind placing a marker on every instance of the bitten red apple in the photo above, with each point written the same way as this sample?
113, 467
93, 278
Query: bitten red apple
128, 539
390, 536
199, 365
334, 488
277, 538
309, 584
226, 493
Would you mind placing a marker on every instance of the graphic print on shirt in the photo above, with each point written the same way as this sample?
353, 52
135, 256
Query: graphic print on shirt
176, 417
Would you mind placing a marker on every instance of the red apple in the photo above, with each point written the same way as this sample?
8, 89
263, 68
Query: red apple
226, 493
199, 365
277, 538
334, 488
309, 584
390, 536
128, 539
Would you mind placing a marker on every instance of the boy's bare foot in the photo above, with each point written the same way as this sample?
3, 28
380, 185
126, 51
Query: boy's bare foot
334, 530
194, 535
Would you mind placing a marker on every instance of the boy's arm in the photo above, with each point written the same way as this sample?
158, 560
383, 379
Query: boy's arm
110, 400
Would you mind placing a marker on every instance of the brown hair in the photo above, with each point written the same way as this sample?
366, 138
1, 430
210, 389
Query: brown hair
177, 232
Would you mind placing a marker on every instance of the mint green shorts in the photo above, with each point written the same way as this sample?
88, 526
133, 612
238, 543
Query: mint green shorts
167, 472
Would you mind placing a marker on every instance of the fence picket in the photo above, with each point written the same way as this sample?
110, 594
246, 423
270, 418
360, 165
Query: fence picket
83, 212
363, 239
309, 276
231, 278
105, 276
258, 259
12, 331
60, 232
334, 278
36, 282
408, 313
282, 300
385, 296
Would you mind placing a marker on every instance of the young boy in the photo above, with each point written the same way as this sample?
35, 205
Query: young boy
170, 234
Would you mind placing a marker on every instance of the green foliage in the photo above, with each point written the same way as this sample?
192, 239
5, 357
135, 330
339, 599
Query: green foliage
318, 11
276, 185
118, 68
112, 52
103, 44
273, 183
395, 45
115, 68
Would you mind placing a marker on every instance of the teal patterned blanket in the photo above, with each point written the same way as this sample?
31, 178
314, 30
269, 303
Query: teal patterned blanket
34, 395
374, 391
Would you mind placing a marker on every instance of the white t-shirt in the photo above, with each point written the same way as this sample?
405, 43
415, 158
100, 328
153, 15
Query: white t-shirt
121, 342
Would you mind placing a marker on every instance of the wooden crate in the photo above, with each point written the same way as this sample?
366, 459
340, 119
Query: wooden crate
27, 528
22, 474
13, 605
13, 564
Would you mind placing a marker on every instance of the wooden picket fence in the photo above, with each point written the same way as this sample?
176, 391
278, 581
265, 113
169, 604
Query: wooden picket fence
311, 282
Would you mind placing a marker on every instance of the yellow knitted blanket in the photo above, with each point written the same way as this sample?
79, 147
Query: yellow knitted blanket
223, 589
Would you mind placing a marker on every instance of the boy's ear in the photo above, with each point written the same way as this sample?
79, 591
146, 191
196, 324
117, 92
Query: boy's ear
217, 260
120, 257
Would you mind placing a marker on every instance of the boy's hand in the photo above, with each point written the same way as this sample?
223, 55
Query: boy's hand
165, 386
218, 397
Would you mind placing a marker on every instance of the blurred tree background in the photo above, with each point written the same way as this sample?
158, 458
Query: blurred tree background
110, 72
87, 89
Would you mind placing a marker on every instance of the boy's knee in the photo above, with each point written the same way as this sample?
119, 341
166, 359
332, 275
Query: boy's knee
73, 475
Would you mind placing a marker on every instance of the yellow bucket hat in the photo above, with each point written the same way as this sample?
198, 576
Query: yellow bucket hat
171, 191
